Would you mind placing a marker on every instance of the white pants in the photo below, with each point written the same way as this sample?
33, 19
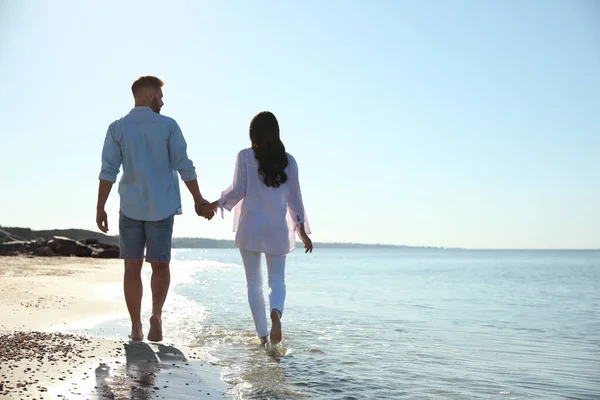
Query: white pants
276, 273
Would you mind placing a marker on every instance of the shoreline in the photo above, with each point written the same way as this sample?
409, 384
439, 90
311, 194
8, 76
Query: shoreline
44, 299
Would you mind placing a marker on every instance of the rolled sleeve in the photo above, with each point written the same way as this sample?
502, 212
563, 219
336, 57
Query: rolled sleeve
178, 155
111, 158
295, 203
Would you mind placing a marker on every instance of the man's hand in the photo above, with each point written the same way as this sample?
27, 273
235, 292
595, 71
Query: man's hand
104, 188
102, 220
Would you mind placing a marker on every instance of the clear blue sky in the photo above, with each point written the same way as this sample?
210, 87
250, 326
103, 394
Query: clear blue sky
445, 123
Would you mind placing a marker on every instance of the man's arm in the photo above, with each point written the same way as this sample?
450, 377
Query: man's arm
111, 163
194, 189
178, 155
186, 169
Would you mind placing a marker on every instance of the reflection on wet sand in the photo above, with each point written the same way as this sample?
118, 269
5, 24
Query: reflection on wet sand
150, 373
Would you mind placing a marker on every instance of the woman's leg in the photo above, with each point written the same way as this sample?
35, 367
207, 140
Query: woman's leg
277, 291
256, 300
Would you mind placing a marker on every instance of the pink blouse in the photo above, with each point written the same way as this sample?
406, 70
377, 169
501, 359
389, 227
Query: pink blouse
265, 218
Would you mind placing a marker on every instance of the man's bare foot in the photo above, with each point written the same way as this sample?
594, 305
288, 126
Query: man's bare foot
137, 333
276, 333
155, 332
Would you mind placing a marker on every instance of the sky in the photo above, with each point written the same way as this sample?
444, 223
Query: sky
471, 124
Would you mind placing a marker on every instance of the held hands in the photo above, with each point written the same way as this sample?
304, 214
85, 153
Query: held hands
206, 209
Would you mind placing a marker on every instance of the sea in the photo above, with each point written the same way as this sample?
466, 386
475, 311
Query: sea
398, 323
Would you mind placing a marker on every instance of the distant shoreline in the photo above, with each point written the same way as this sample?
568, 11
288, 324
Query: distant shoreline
206, 243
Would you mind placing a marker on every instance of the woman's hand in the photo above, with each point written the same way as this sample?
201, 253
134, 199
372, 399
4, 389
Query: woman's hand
305, 239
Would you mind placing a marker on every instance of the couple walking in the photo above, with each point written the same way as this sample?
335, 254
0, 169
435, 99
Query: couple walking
265, 197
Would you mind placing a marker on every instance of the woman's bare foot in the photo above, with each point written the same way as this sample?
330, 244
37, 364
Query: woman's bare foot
276, 334
137, 333
155, 332
263, 341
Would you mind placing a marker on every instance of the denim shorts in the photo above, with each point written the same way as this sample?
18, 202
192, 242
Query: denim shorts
155, 236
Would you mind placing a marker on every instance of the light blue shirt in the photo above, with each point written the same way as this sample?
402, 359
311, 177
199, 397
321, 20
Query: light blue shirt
152, 150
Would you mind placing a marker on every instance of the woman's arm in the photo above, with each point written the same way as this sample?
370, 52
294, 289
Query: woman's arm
296, 207
237, 191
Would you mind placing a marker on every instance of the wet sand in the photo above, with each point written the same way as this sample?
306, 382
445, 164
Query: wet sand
41, 295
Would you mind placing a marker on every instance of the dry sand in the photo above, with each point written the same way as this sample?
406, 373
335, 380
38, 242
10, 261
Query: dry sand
39, 295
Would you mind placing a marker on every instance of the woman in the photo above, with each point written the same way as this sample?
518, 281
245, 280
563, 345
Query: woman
268, 212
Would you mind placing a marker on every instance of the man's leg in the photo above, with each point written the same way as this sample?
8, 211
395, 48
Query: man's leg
159, 237
160, 281
133, 289
132, 240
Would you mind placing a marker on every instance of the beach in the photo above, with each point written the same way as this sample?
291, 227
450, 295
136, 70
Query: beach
41, 359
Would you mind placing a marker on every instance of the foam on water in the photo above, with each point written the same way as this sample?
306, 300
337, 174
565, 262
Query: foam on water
393, 324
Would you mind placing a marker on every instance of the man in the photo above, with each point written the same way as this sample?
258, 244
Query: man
152, 149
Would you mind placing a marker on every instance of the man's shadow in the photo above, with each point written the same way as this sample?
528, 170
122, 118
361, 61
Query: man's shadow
142, 366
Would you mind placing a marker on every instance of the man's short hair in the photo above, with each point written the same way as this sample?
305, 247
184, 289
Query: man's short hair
146, 82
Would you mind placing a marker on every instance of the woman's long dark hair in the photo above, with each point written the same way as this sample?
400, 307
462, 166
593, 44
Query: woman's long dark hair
268, 149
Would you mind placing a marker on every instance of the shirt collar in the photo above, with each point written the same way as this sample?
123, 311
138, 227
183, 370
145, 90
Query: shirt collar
141, 108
